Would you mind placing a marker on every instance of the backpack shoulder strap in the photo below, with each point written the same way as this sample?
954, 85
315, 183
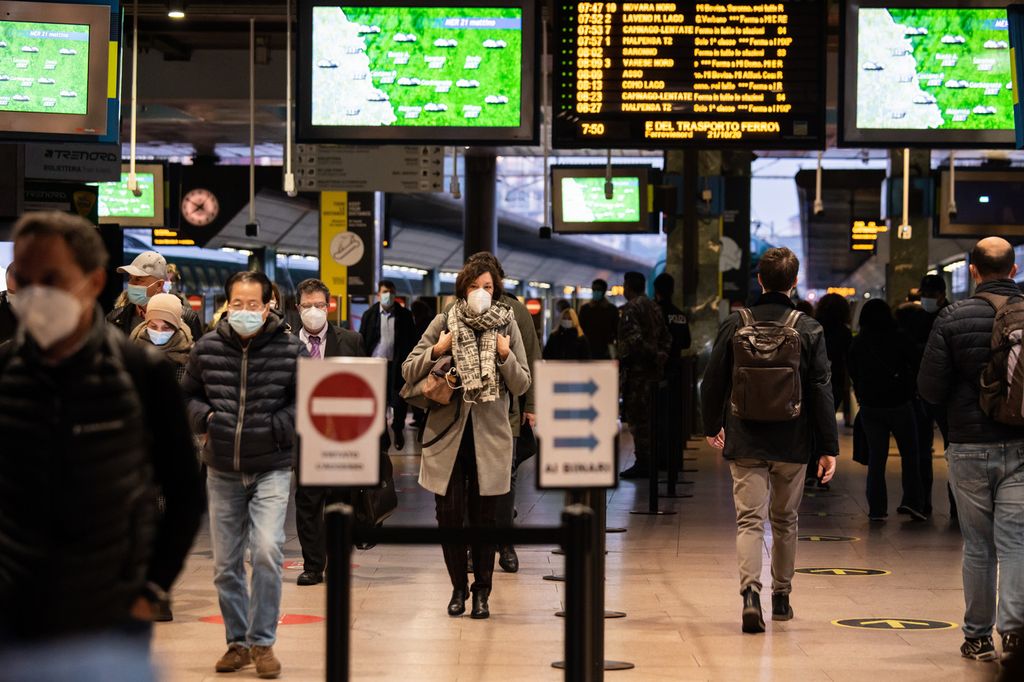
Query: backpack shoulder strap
791, 319
994, 300
746, 317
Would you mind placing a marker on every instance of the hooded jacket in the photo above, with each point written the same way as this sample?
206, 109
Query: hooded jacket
958, 350
243, 396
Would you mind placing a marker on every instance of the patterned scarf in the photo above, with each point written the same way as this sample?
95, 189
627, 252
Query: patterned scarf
476, 357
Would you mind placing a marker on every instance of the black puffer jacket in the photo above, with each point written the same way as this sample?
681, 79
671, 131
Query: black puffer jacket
250, 391
86, 442
957, 351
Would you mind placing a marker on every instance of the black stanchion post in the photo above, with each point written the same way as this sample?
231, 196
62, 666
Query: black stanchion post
579, 637
673, 435
652, 465
340, 522
599, 504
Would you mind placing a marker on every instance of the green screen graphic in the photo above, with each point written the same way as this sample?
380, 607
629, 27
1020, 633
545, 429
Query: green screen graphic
583, 200
417, 66
117, 201
44, 68
929, 68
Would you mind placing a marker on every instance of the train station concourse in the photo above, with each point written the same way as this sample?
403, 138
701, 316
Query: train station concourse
511, 340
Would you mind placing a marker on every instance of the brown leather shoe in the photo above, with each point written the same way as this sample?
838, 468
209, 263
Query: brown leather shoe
267, 665
234, 659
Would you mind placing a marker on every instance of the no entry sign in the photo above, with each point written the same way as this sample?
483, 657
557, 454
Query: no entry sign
341, 404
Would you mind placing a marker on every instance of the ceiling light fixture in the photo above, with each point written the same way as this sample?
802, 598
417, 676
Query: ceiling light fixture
176, 9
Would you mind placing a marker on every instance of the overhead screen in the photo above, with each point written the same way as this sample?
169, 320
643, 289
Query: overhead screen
119, 205
581, 206
988, 203
926, 74
655, 74
59, 70
384, 71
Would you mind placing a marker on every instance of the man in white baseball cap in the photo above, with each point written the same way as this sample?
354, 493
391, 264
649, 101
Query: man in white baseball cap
146, 277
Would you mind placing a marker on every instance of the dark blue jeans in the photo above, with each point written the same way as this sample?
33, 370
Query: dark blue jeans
900, 422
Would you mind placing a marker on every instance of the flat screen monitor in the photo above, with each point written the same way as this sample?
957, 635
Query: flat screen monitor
55, 69
581, 204
380, 71
119, 205
656, 74
987, 204
934, 73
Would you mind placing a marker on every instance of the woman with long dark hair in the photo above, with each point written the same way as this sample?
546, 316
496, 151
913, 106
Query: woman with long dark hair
882, 372
468, 447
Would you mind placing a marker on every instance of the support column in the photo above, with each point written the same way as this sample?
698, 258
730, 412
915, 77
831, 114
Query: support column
908, 258
264, 259
480, 212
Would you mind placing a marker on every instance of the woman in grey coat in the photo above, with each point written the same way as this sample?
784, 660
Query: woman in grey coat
469, 466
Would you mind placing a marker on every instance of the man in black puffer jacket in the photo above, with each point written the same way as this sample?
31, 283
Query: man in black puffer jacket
240, 385
986, 458
91, 426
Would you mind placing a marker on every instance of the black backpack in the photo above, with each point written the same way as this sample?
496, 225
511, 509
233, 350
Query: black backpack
766, 384
1001, 390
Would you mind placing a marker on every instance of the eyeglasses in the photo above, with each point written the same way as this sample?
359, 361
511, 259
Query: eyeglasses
318, 306
252, 306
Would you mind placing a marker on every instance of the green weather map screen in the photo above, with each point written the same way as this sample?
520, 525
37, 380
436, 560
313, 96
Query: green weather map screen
417, 66
117, 201
583, 200
44, 67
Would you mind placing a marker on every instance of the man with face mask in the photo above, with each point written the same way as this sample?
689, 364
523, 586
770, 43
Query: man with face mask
322, 340
389, 332
8, 322
83, 554
240, 385
147, 275
600, 321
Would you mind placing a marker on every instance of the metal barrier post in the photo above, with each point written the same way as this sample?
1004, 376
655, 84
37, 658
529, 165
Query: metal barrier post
579, 636
599, 503
340, 522
673, 434
652, 465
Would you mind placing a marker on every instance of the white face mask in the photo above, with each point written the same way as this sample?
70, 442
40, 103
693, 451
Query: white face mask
159, 338
567, 324
313, 319
479, 301
48, 314
930, 305
386, 299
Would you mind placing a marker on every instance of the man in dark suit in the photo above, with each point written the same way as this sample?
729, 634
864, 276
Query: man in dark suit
389, 332
323, 340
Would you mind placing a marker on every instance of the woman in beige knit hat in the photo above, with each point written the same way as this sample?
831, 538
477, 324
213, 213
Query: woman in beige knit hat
164, 330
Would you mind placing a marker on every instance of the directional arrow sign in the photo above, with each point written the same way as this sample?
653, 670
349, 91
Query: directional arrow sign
894, 624
842, 571
577, 409
589, 414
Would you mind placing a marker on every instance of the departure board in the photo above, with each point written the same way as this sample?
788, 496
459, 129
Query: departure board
667, 74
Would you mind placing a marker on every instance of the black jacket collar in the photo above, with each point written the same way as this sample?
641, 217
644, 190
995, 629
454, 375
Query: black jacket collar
1000, 287
775, 298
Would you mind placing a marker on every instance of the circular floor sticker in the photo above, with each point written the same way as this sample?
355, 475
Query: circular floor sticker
827, 538
285, 619
894, 624
842, 571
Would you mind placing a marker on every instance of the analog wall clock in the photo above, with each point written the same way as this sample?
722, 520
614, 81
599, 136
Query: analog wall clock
199, 207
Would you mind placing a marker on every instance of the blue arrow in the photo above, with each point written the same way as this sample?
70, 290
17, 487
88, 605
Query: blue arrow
588, 442
589, 414
590, 388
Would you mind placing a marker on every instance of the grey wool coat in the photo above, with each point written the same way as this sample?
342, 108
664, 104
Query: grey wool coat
492, 433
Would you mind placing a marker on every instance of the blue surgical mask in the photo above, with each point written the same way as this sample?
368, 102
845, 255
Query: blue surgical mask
245, 322
159, 338
386, 299
138, 294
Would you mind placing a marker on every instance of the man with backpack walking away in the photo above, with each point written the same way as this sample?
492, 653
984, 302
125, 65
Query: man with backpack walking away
767, 400
972, 367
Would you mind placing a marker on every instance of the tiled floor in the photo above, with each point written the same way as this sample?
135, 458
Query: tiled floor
674, 575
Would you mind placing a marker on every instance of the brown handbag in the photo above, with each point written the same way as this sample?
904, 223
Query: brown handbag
435, 389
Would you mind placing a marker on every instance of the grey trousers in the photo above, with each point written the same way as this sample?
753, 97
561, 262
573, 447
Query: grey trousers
763, 489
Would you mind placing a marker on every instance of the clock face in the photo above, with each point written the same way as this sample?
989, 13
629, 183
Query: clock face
199, 207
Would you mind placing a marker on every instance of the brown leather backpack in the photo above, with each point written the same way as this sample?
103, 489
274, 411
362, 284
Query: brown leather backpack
766, 383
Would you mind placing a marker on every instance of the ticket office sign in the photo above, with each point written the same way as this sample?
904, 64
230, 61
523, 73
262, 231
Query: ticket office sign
662, 74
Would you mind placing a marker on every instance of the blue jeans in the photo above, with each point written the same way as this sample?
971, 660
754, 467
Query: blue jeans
117, 654
988, 482
248, 509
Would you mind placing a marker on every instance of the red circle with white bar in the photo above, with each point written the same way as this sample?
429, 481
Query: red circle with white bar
342, 407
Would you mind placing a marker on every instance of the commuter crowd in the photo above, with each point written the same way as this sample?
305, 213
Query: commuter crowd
131, 415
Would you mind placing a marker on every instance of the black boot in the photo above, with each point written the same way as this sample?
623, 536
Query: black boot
480, 608
781, 610
457, 605
508, 559
753, 619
